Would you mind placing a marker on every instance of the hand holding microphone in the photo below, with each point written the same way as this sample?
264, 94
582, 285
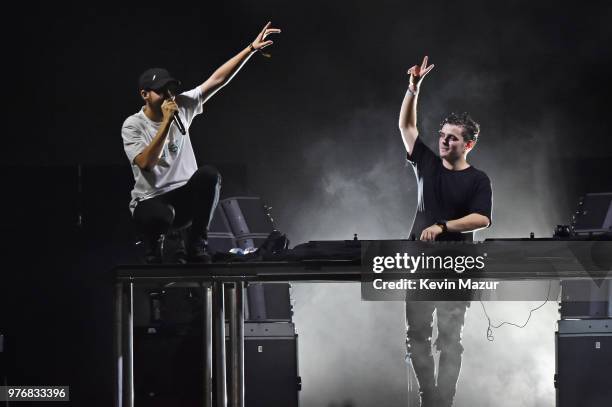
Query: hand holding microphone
170, 109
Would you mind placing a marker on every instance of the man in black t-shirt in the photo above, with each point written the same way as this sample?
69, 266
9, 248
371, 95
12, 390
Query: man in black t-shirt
454, 200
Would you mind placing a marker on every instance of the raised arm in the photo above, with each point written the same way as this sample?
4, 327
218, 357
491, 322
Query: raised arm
408, 114
228, 70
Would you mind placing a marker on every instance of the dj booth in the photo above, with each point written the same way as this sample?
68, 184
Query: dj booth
212, 279
579, 261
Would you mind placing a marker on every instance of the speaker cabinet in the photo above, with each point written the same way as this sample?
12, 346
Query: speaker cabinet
584, 353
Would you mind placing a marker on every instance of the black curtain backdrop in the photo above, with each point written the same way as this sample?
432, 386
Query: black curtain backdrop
313, 130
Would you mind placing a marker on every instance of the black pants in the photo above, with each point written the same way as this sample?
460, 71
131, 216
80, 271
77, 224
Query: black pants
194, 203
419, 321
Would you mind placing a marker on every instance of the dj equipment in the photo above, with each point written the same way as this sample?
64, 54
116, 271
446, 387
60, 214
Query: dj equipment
593, 215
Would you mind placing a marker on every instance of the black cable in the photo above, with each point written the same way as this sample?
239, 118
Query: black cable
490, 327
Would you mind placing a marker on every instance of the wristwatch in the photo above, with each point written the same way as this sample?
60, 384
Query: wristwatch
442, 224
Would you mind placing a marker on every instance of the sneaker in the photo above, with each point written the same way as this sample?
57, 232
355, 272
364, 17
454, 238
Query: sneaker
180, 257
175, 244
197, 252
154, 247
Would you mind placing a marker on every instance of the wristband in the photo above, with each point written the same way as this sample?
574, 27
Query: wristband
442, 224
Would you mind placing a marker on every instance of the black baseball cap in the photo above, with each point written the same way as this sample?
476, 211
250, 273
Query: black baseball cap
156, 79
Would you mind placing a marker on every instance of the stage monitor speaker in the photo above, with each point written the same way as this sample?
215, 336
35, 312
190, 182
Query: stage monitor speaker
168, 365
271, 376
594, 214
583, 355
248, 219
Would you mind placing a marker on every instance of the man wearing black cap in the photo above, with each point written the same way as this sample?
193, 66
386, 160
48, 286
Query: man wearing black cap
170, 190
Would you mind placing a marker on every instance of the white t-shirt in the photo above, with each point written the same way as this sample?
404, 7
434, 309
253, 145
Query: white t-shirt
177, 161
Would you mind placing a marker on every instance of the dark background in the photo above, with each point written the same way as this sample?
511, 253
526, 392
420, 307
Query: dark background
313, 130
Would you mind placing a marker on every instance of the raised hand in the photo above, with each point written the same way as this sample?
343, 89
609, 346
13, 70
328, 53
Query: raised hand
417, 73
260, 41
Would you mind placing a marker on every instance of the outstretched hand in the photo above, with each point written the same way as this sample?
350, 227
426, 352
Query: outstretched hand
417, 73
260, 41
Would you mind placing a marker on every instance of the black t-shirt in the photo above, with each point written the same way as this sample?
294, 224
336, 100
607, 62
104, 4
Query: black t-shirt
445, 194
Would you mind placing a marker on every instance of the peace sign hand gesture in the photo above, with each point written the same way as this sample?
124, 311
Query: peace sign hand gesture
417, 73
260, 41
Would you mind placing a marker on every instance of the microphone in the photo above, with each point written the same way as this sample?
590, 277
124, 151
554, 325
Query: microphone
176, 118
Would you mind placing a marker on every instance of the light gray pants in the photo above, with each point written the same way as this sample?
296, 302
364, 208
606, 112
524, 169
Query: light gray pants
419, 323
